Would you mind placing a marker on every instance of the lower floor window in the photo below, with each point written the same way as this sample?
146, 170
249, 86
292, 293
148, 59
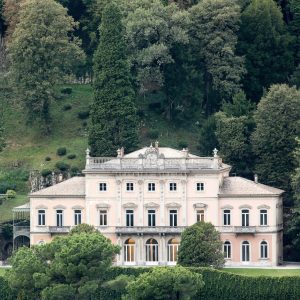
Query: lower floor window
151, 250
227, 249
263, 249
129, 250
245, 251
173, 245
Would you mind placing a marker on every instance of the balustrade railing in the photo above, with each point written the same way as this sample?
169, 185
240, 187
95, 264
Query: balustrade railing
149, 230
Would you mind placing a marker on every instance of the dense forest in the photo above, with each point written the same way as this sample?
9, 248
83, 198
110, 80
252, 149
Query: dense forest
233, 65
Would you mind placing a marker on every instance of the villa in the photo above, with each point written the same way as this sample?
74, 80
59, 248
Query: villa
143, 201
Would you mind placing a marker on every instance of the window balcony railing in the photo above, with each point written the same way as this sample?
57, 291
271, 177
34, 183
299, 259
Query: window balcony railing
21, 230
249, 229
59, 229
149, 230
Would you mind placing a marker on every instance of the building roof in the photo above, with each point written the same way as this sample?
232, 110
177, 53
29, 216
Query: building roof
74, 186
240, 186
22, 208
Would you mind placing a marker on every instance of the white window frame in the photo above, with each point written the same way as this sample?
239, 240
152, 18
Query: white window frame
200, 212
61, 218
200, 186
151, 187
227, 250
172, 252
249, 245
264, 249
102, 187
41, 217
263, 216
129, 186
245, 217
226, 216
152, 216
130, 218
103, 217
173, 186
128, 249
172, 217
152, 255
77, 217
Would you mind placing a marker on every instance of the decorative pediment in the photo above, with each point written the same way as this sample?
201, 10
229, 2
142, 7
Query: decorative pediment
77, 207
246, 206
41, 207
151, 204
173, 204
227, 207
200, 205
103, 205
263, 206
130, 205
59, 207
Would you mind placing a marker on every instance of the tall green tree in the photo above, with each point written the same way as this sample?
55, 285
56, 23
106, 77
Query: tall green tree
200, 246
113, 118
214, 26
41, 52
277, 125
266, 45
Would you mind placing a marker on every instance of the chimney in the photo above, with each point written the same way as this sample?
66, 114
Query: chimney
185, 151
122, 152
156, 145
216, 159
255, 178
119, 152
87, 156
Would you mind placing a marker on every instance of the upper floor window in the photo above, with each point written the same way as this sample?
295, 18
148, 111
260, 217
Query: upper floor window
263, 249
103, 217
151, 187
151, 217
200, 215
129, 186
245, 217
173, 186
59, 218
227, 249
226, 217
102, 187
77, 217
41, 217
129, 217
200, 186
263, 217
173, 217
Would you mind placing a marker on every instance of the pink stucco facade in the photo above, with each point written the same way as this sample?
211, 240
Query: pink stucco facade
142, 201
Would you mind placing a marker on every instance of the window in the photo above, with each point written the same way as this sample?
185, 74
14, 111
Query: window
151, 250
129, 218
102, 187
59, 218
103, 217
151, 217
245, 217
226, 217
173, 217
245, 251
263, 217
173, 245
263, 249
129, 251
200, 186
151, 187
200, 215
77, 217
173, 186
227, 250
129, 186
41, 217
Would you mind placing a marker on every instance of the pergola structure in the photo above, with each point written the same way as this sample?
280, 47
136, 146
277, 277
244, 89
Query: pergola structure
21, 225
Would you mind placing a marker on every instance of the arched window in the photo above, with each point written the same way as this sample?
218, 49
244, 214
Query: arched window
173, 245
263, 249
151, 250
129, 250
245, 251
227, 249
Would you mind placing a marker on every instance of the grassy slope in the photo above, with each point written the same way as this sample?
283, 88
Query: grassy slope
27, 147
264, 272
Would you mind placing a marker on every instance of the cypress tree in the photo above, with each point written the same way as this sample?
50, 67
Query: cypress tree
113, 117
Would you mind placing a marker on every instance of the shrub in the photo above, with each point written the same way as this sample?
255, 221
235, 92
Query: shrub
75, 171
47, 158
66, 90
140, 113
67, 107
61, 151
84, 123
62, 166
182, 144
71, 156
83, 114
46, 172
10, 194
4, 186
155, 106
153, 134
7, 231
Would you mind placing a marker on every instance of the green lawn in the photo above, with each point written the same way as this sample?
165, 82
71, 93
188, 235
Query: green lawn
263, 272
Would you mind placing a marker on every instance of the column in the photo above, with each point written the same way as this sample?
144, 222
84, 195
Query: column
120, 256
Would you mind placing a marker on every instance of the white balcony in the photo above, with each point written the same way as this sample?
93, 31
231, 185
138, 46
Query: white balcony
141, 230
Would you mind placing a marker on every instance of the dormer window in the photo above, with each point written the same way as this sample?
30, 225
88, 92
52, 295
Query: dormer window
102, 187
200, 186
151, 187
129, 186
173, 186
